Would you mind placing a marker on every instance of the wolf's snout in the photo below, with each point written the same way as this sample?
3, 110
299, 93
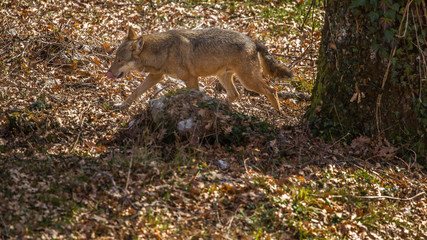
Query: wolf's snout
110, 75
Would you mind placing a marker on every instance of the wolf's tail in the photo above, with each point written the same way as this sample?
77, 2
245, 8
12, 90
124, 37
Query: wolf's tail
270, 65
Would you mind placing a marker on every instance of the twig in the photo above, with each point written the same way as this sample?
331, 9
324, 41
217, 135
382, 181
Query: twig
338, 116
306, 16
81, 126
415, 157
407, 165
422, 57
244, 163
198, 26
231, 221
311, 42
120, 189
129, 171
289, 56
340, 139
159, 91
386, 197
300, 58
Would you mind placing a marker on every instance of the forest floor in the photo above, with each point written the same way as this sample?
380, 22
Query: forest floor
72, 168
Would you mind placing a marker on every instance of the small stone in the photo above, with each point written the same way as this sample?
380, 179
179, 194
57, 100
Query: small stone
223, 164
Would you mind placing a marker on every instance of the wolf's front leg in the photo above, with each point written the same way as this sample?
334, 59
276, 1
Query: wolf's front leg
191, 82
150, 81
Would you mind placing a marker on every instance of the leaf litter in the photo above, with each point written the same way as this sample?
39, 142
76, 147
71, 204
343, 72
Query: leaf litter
73, 168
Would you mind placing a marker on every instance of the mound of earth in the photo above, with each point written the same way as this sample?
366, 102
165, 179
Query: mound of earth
195, 117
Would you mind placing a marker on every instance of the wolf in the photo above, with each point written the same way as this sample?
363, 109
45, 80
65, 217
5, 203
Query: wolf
188, 54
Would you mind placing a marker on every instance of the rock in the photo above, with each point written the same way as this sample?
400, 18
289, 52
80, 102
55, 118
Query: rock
186, 125
156, 108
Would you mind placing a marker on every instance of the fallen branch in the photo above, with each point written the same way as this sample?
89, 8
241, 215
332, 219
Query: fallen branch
80, 84
302, 96
386, 197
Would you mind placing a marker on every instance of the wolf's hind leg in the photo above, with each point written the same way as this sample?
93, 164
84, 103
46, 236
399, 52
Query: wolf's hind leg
149, 81
226, 80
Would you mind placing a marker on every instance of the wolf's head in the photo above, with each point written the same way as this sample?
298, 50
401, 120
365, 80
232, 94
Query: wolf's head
126, 56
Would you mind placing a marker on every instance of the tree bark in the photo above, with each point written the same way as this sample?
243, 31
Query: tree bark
372, 68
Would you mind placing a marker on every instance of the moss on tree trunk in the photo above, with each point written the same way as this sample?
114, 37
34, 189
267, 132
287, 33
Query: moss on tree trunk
372, 72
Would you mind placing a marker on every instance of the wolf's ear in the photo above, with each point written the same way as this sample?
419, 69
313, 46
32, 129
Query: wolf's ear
139, 44
131, 34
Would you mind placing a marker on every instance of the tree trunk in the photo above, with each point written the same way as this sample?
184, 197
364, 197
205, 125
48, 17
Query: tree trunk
372, 68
